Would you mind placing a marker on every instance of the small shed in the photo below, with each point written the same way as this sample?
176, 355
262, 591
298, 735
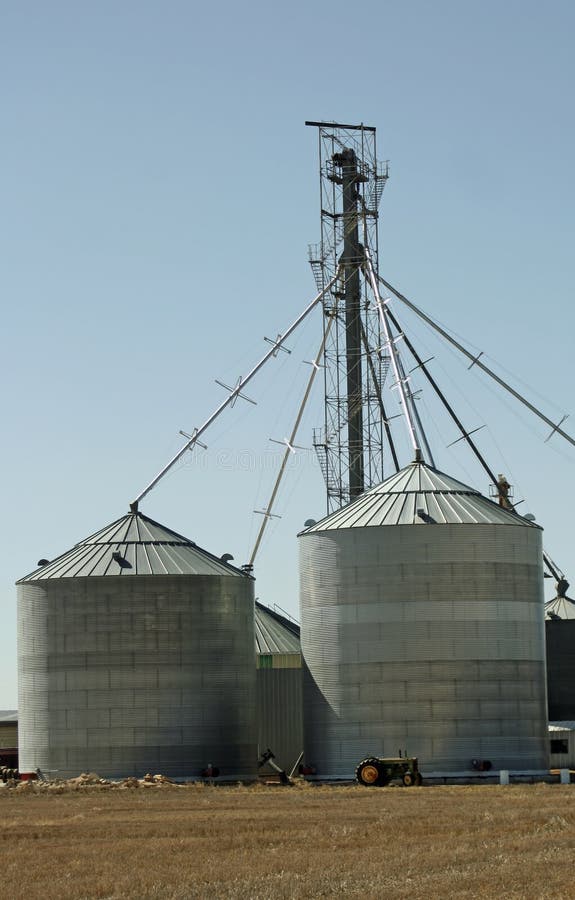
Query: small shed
562, 745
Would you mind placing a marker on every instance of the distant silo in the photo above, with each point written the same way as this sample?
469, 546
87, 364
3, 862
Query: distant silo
279, 686
560, 640
135, 655
422, 629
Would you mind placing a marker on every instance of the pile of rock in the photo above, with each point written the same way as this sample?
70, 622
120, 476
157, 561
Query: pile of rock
147, 781
92, 781
86, 778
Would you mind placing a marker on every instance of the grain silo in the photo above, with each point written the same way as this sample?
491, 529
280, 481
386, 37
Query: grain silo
422, 629
560, 640
136, 654
279, 686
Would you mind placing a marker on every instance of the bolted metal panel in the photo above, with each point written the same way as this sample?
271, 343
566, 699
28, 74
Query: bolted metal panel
425, 638
124, 676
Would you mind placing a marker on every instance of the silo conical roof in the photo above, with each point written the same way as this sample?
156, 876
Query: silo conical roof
419, 495
134, 545
560, 608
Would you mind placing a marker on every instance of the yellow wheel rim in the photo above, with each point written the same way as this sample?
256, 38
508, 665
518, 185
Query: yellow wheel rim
407, 779
369, 774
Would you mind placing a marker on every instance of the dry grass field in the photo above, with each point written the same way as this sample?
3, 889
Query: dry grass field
267, 842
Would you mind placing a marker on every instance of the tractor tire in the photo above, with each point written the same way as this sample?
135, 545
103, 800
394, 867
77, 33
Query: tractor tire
408, 779
369, 774
418, 779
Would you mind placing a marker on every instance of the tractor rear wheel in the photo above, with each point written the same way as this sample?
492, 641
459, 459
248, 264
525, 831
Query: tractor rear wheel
418, 779
369, 772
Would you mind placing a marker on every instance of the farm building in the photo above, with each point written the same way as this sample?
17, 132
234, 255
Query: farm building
9, 738
279, 688
8, 728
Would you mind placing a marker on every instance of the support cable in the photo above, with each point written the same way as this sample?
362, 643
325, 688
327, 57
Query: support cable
475, 360
233, 395
393, 354
423, 366
267, 513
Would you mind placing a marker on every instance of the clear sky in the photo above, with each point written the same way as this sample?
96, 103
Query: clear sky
159, 190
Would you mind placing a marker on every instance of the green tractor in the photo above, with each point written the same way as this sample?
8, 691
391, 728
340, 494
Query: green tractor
379, 771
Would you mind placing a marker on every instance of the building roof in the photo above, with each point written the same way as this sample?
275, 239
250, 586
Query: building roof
275, 633
134, 545
562, 726
8, 716
419, 495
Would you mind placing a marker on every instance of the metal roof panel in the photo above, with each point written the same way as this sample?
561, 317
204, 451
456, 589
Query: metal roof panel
399, 499
145, 547
275, 633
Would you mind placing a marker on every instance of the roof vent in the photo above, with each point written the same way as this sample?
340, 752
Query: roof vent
42, 562
309, 522
227, 557
425, 517
121, 560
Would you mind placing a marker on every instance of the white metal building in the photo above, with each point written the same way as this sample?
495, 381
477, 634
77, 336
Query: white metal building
562, 745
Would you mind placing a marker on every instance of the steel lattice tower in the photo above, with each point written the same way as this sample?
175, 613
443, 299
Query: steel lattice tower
350, 446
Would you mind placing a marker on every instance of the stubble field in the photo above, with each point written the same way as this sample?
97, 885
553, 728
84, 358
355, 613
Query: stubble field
267, 842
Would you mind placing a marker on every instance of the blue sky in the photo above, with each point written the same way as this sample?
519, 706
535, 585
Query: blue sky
159, 190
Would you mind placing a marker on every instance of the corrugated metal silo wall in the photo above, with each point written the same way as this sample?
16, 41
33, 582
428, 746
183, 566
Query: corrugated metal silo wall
424, 638
560, 640
280, 723
124, 676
